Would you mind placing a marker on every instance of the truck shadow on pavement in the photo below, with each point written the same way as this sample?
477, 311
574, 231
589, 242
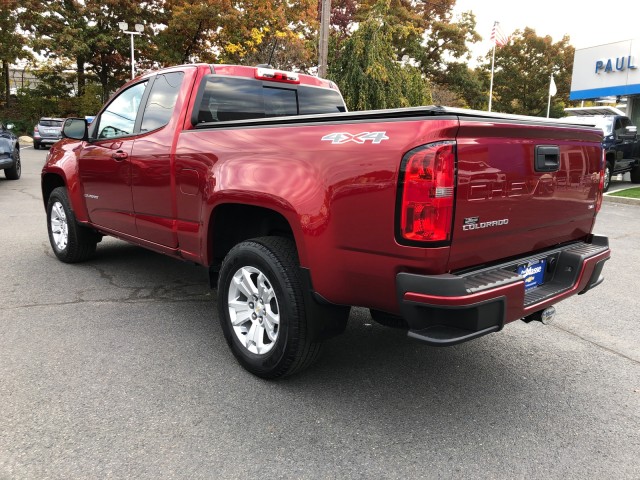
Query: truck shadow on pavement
373, 380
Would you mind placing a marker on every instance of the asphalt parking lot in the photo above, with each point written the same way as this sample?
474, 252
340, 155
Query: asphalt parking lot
117, 368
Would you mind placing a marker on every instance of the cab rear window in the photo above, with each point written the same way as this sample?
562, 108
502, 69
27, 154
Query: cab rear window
51, 123
226, 99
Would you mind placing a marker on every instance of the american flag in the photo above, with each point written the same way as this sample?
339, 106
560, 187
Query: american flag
498, 36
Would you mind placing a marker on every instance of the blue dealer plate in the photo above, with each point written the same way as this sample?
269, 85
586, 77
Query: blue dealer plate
532, 274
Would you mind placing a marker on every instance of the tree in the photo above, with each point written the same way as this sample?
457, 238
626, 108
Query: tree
523, 70
368, 74
86, 32
469, 85
11, 42
191, 32
427, 32
281, 30
246, 32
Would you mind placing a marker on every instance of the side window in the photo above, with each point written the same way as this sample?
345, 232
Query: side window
119, 117
162, 100
618, 126
228, 99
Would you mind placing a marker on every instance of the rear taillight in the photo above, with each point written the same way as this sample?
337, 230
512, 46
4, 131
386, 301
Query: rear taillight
599, 194
427, 180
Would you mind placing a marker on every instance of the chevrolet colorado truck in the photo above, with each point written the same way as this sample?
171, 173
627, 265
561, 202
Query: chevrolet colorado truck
449, 223
620, 141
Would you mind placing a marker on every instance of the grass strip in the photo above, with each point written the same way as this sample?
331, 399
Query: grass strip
628, 193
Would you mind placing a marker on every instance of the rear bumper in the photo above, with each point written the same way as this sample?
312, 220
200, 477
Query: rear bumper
443, 310
47, 140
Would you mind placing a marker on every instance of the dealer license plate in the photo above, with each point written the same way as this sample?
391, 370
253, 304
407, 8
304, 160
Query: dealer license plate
532, 274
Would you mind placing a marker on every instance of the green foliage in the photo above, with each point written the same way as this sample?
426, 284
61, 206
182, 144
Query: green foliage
523, 70
86, 33
629, 193
426, 31
369, 40
468, 85
368, 74
11, 43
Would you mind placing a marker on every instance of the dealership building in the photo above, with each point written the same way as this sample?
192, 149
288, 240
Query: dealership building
609, 74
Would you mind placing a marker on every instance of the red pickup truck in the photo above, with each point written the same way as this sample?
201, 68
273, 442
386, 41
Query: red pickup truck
447, 222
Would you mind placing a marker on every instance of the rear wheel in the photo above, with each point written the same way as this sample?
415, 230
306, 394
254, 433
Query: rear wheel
14, 172
71, 242
635, 175
262, 310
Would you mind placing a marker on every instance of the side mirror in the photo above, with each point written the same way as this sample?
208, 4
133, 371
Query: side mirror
10, 126
75, 128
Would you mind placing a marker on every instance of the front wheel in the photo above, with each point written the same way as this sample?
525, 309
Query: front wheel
635, 174
14, 172
608, 171
71, 242
262, 310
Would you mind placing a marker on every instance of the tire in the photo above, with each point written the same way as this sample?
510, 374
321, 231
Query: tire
388, 320
635, 175
259, 290
71, 242
14, 172
608, 171
36, 146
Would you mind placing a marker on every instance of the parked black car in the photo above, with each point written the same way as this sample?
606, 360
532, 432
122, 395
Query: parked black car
47, 132
620, 140
9, 152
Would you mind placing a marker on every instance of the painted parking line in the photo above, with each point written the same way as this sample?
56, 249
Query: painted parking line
28, 146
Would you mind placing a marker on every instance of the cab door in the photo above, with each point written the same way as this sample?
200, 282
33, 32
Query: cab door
105, 164
152, 159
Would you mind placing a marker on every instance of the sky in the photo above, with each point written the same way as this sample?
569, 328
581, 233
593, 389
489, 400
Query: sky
588, 23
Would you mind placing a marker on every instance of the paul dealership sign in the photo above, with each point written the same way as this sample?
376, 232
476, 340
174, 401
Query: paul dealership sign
606, 70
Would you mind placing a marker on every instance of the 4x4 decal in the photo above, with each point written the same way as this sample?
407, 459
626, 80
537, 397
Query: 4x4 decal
344, 137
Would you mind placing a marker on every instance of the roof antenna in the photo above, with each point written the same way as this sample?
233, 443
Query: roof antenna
273, 50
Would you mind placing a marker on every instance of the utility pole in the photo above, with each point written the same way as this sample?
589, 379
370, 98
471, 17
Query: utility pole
325, 17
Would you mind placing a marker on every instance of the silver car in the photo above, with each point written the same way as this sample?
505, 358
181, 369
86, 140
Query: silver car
47, 132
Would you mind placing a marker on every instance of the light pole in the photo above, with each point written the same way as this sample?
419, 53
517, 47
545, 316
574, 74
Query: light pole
139, 29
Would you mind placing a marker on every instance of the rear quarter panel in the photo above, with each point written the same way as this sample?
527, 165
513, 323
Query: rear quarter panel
339, 198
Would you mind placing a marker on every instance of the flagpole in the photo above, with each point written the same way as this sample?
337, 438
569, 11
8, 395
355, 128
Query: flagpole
493, 58
549, 102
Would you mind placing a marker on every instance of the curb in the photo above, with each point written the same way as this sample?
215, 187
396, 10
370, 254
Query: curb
607, 197
624, 200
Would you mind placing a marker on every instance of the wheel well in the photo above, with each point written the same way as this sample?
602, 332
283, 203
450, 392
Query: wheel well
232, 223
610, 158
50, 181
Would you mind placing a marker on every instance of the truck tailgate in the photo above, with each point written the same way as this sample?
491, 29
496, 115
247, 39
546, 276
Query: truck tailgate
522, 188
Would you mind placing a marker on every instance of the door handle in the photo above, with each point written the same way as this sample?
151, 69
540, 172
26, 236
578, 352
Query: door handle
547, 158
120, 155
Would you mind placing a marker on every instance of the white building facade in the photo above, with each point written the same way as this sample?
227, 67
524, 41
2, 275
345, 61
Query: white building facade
611, 70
